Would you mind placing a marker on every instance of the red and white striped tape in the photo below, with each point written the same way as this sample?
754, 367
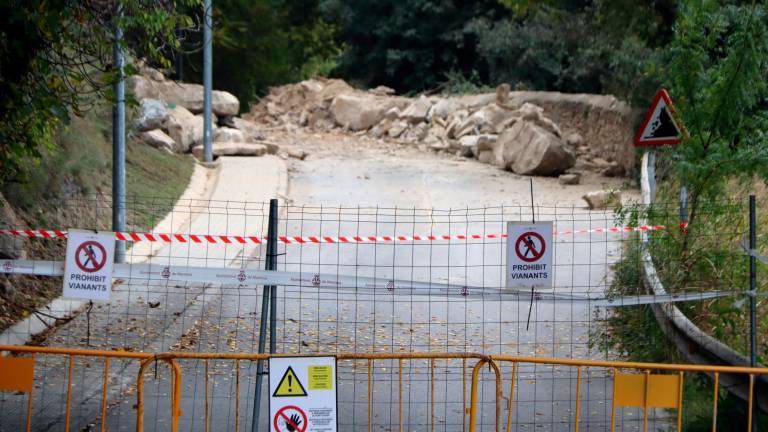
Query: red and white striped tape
233, 239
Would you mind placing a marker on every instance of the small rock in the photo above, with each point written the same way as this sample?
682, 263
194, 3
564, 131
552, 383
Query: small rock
226, 134
272, 148
153, 114
397, 129
601, 163
502, 94
251, 130
614, 170
158, 139
382, 91
599, 200
575, 140
297, 154
417, 111
392, 114
444, 107
569, 179
380, 129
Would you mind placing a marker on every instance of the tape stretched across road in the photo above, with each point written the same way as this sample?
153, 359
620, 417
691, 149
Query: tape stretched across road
246, 278
234, 239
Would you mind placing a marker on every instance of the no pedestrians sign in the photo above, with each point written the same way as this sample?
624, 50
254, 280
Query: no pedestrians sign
529, 255
88, 268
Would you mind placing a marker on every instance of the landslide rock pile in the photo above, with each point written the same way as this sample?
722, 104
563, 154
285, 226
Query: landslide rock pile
495, 129
170, 118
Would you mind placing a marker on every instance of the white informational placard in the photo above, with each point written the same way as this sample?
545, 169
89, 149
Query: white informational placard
529, 255
302, 394
88, 268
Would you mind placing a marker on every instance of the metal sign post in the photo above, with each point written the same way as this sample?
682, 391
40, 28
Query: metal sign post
271, 264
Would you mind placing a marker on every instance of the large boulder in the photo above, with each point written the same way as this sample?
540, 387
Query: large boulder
152, 114
158, 139
356, 112
528, 149
417, 111
231, 149
185, 128
188, 95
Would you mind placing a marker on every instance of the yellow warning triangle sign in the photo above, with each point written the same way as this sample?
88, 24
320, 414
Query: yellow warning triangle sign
289, 385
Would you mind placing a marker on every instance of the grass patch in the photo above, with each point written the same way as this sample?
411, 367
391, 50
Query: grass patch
71, 187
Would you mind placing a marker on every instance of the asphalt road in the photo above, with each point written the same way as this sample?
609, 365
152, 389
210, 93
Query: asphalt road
382, 195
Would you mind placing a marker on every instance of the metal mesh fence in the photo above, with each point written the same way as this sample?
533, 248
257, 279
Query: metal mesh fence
443, 290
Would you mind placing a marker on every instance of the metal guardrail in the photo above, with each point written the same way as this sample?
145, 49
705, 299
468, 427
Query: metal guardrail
694, 344
642, 390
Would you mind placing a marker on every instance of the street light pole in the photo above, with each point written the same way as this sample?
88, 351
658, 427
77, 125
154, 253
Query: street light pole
207, 60
118, 140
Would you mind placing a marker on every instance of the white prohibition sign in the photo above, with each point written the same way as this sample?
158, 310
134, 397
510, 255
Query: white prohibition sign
89, 265
529, 255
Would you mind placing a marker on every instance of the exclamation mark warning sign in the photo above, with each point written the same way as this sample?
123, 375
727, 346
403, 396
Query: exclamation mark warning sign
289, 385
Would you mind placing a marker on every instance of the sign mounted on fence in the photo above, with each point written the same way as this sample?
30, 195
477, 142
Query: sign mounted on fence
302, 394
529, 255
660, 125
88, 268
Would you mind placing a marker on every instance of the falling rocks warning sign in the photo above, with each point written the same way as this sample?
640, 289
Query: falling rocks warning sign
88, 267
529, 255
302, 394
660, 125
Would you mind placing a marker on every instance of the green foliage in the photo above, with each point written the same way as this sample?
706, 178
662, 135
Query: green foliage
56, 60
591, 47
409, 44
716, 263
717, 69
262, 43
457, 84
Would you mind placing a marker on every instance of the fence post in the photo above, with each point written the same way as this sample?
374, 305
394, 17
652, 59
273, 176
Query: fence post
271, 264
753, 294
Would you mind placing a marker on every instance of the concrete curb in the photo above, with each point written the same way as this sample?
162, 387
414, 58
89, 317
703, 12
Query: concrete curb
694, 344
